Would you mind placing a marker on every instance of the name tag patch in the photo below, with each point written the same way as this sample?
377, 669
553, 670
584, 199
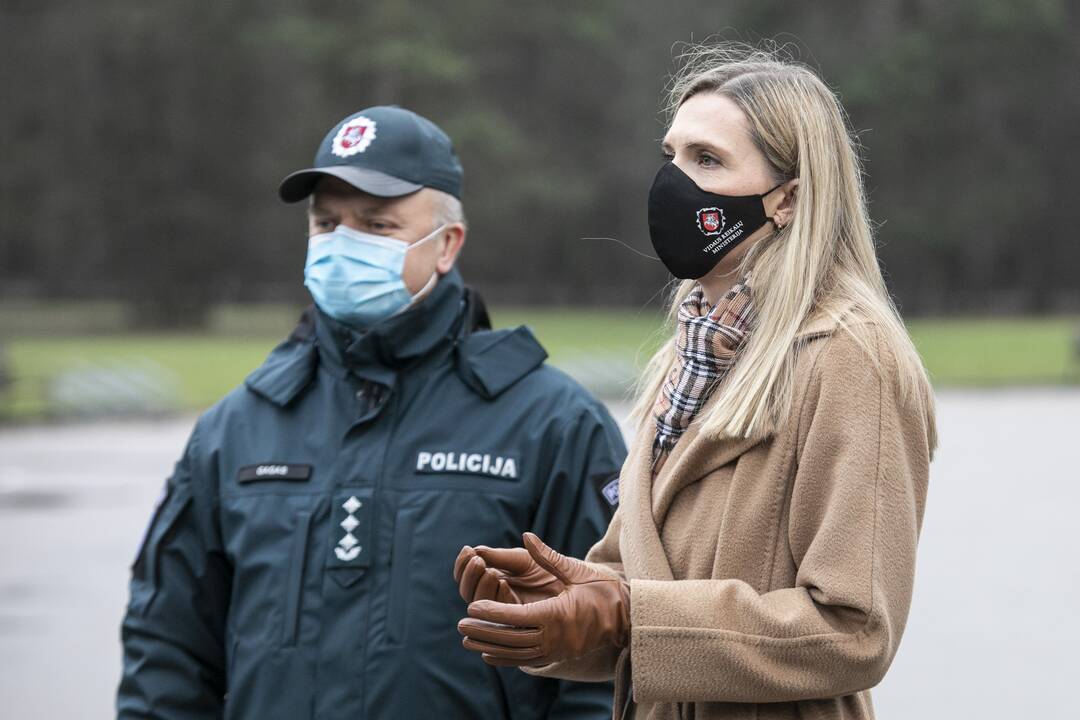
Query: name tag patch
274, 471
467, 463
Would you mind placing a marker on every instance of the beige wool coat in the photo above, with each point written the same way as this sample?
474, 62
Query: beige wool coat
770, 579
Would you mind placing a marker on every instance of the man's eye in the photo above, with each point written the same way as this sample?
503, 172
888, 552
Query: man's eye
707, 161
668, 156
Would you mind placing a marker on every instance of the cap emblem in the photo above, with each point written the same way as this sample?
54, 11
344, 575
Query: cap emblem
353, 137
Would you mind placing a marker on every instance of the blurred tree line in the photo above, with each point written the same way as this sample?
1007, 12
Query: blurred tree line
143, 142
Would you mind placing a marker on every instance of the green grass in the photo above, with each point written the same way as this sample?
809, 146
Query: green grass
958, 352
997, 352
206, 366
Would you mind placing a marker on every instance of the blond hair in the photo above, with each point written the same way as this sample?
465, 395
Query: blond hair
822, 262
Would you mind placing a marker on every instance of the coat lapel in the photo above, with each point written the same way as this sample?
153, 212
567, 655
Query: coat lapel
645, 502
698, 456
639, 542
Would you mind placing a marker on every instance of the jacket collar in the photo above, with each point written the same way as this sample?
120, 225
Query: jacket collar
375, 354
823, 322
394, 341
287, 371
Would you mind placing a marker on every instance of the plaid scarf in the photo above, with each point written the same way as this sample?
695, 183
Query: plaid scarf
705, 350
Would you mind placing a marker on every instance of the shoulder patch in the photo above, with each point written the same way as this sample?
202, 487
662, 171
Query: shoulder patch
607, 486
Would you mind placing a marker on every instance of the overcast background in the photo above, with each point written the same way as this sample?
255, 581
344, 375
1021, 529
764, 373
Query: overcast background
146, 266
143, 143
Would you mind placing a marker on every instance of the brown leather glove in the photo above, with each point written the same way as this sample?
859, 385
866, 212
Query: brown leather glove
591, 610
506, 575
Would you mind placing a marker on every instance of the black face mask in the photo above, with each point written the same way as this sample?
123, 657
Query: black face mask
692, 229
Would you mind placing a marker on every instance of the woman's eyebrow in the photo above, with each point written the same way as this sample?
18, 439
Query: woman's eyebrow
701, 145
694, 146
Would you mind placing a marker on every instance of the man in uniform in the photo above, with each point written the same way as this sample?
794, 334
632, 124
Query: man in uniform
298, 564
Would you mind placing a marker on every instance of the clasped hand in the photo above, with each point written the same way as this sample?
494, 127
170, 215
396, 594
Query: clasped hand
533, 606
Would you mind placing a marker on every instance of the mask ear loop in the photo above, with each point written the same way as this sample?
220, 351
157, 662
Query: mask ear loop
427, 237
422, 292
427, 286
776, 225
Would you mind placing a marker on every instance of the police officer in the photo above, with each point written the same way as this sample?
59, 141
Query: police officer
296, 566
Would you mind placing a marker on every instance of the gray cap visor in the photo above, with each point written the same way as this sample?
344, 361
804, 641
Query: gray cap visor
298, 185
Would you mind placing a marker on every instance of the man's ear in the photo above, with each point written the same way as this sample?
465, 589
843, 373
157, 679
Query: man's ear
786, 209
453, 240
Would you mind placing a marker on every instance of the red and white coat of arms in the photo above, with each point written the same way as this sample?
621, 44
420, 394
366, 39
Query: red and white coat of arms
353, 137
710, 221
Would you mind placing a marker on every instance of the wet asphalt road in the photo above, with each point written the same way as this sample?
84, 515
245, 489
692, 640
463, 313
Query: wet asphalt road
992, 633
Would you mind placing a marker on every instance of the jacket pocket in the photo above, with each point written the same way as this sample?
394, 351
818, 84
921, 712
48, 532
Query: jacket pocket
400, 563
294, 588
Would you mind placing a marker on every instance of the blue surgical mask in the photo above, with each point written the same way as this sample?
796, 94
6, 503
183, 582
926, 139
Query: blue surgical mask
355, 277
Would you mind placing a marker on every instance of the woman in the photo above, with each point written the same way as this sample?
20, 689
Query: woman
760, 563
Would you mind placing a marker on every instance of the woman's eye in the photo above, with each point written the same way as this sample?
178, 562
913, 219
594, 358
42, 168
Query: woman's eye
707, 161
668, 156
326, 225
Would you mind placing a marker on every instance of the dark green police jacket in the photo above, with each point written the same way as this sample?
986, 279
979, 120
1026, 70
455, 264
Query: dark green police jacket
299, 564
